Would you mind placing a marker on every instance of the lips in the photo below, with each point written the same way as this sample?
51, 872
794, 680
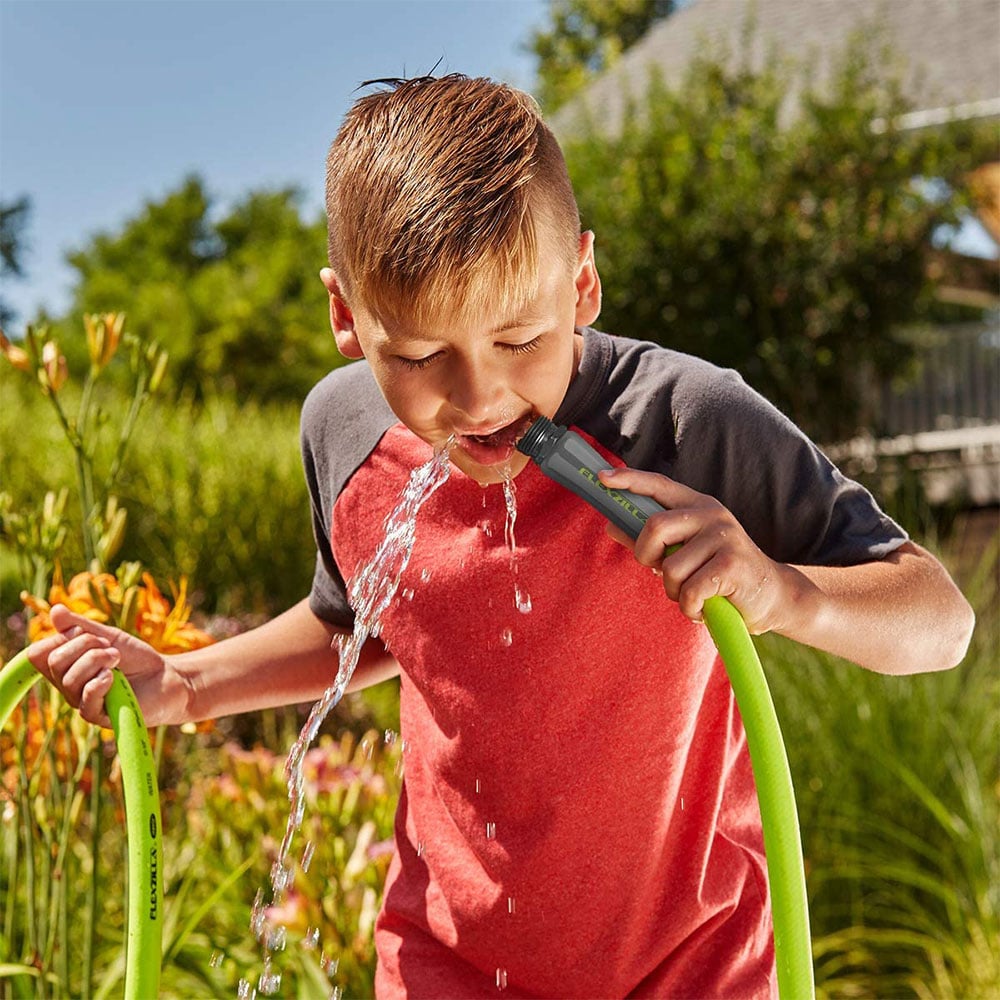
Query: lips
490, 447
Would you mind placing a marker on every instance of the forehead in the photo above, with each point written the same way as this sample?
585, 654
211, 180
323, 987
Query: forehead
486, 311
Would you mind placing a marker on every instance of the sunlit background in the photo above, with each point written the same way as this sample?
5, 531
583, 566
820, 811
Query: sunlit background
836, 244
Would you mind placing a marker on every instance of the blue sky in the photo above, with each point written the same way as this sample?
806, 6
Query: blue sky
106, 104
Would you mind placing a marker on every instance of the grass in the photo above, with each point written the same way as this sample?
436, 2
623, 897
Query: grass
898, 788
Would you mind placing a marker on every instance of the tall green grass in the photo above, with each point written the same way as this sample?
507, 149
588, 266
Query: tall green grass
898, 788
213, 491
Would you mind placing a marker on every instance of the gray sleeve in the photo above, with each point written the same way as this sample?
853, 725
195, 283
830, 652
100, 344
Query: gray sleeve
794, 503
703, 426
343, 419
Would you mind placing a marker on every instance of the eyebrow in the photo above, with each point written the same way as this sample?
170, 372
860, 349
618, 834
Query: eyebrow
517, 323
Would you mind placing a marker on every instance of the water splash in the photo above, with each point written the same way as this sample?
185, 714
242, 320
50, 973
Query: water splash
307, 856
522, 599
371, 591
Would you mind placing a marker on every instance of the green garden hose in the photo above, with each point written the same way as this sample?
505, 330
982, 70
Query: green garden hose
142, 821
778, 816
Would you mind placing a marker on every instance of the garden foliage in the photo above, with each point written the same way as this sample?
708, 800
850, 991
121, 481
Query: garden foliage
791, 244
235, 297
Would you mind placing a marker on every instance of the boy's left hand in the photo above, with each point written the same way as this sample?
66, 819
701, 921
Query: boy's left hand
716, 556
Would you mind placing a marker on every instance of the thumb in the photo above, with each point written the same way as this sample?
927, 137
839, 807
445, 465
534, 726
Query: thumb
64, 620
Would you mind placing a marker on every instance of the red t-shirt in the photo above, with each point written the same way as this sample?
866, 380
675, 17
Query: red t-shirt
578, 816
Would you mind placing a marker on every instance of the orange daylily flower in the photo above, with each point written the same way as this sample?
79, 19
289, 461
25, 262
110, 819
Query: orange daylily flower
140, 609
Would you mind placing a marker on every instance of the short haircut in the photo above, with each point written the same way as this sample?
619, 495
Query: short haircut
441, 195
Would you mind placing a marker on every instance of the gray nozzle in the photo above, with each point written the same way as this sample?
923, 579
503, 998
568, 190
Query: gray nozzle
539, 438
568, 459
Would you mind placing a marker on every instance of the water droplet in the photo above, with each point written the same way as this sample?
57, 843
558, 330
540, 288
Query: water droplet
491, 831
420, 848
682, 803
269, 982
329, 965
257, 915
501, 979
243, 990
367, 748
337, 993
487, 529
281, 876
522, 600
404, 745
408, 594
390, 737
311, 941
425, 575
277, 938
307, 856
216, 960
506, 637
511, 905
478, 786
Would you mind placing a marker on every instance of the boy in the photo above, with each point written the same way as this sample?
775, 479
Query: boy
578, 817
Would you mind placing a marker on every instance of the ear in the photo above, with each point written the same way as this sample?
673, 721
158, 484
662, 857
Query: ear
341, 317
588, 283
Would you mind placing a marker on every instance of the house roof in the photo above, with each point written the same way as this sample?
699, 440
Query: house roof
949, 49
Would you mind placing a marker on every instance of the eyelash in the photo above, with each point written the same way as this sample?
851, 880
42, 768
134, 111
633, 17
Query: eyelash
415, 364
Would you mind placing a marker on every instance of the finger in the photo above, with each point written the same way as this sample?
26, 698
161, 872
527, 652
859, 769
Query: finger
65, 621
710, 580
88, 666
682, 563
621, 537
40, 651
62, 658
664, 532
664, 490
92, 698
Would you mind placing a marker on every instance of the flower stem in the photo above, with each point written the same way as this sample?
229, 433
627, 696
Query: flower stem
90, 907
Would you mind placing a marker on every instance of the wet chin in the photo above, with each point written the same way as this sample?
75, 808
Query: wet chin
485, 474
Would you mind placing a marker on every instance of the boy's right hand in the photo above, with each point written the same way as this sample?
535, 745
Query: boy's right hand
79, 659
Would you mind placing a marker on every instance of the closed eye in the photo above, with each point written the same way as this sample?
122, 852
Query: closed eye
526, 348
415, 364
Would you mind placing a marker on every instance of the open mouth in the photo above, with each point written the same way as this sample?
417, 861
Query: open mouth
496, 445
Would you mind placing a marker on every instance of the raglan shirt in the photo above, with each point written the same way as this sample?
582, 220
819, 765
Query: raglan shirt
578, 816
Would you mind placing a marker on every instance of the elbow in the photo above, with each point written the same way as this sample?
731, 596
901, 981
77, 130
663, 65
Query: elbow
965, 625
952, 637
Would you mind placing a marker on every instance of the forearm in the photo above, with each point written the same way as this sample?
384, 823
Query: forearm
899, 615
288, 660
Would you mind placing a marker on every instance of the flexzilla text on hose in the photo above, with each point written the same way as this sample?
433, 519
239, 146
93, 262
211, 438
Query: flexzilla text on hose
568, 459
142, 821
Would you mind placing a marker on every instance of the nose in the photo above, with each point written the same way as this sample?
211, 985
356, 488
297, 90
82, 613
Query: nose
476, 391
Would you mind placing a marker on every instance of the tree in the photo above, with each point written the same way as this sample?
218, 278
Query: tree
585, 37
14, 217
237, 302
795, 253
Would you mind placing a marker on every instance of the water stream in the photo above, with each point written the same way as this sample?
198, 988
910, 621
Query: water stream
371, 591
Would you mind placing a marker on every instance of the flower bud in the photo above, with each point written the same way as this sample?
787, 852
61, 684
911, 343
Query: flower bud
17, 356
104, 332
54, 368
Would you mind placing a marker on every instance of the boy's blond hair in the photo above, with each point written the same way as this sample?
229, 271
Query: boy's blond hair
441, 195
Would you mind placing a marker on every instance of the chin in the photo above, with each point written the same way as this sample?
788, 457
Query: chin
488, 475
